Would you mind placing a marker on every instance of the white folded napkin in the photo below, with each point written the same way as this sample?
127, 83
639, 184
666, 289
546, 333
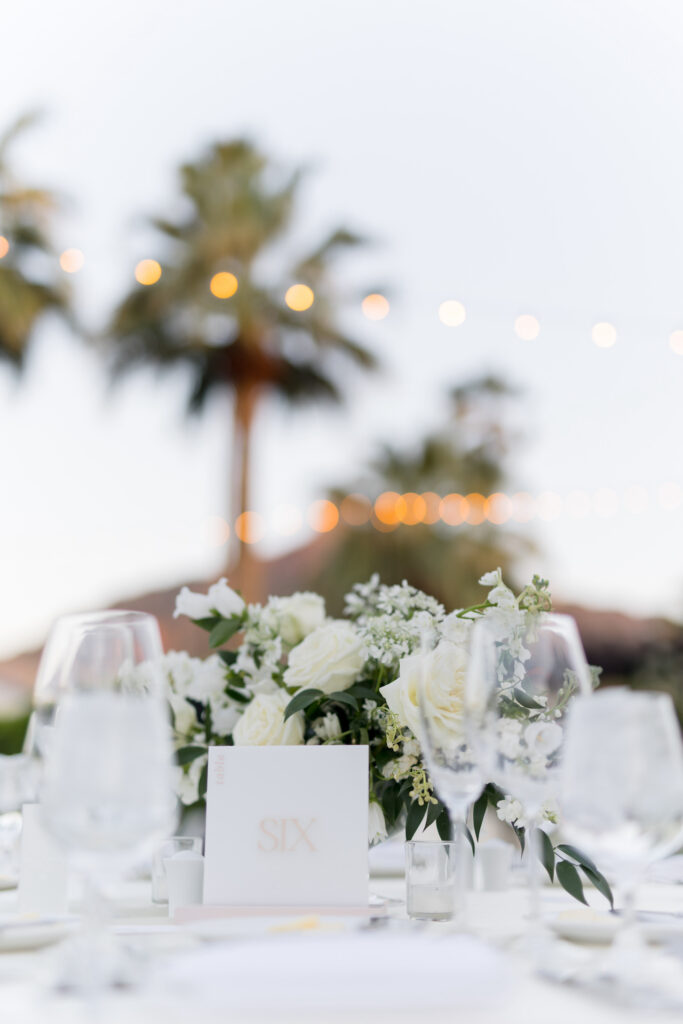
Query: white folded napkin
383, 970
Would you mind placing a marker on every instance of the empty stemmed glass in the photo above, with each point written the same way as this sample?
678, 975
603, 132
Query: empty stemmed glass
17, 787
107, 794
621, 797
524, 667
451, 761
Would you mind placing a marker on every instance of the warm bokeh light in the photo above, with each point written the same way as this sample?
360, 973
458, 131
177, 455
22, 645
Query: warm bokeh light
389, 508
250, 527
606, 502
299, 297
375, 306
454, 509
676, 342
71, 261
523, 507
323, 515
498, 508
527, 327
415, 508
604, 335
670, 496
452, 313
4, 246
148, 272
217, 531
432, 502
355, 509
578, 504
224, 285
636, 499
549, 506
286, 520
476, 509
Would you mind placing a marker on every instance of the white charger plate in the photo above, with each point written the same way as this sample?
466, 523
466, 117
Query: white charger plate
599, 929
18, 934
221, 929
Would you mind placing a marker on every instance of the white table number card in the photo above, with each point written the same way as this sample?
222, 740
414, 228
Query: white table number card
287, 826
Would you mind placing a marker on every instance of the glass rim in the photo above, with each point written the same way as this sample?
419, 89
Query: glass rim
430, 842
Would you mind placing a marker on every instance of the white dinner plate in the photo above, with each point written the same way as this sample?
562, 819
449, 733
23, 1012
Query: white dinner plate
25, 933
600, 928
220, 929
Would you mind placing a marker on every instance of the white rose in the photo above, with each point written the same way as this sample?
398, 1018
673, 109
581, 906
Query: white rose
440, 677
263, 723
377, 827
225, 600
329, 659
195, 606
297, 616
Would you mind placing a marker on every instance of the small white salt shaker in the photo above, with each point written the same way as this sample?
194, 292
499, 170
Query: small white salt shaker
185, 879
494, 858
43, 875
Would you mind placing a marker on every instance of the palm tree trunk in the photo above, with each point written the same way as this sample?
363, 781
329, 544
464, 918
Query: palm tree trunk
245, 569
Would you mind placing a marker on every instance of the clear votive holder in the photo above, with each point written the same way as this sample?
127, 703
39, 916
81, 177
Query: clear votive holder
166, 849
430, 880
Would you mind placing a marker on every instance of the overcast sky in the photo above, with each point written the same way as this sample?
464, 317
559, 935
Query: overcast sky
519, 156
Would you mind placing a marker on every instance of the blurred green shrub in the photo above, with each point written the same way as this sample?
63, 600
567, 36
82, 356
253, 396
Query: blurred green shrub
12, 733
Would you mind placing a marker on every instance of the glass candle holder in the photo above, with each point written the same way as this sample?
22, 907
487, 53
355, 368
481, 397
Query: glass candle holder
164, 851
430, 880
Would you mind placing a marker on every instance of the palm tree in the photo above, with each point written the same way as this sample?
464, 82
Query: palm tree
250, 344
467, 456
26, 294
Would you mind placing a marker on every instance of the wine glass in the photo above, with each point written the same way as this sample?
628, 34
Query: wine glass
524, 668
17, 787
107, 794
451, 761
622, 798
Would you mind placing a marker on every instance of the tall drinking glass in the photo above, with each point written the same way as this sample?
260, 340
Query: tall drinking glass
451, 761
107, 793
622, 798
522, 672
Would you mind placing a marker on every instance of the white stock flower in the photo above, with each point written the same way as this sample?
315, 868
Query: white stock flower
441, 675
510, 810
187, 780
377, 827
209, 678
543, 738
490, 579
225, 600
456, 630
263, 723
328, 728
509, 737
329, 659
225, 714
296, 616
195, 606
184, 715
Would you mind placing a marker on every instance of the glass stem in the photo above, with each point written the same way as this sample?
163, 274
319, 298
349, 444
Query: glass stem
461, 870
533, 879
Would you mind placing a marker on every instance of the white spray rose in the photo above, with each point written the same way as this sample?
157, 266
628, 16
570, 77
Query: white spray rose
296, 616
329, 659
195, 606
263, 723
377, 828
441, 674
543, 738
225, 600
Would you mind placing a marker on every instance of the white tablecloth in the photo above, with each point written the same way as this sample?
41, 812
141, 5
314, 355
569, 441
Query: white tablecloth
398, 972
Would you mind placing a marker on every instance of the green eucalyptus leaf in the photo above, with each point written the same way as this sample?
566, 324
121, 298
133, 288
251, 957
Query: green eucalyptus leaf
479, 811
342, 697
415, 815
229, 658
525, 700
238, 695
569, 879
600, 883
185, 755
302, 700
577, 855
203, 781
443, 826
223, 630
547, 853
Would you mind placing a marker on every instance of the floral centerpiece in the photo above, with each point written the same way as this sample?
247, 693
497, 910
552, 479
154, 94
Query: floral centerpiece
294, 676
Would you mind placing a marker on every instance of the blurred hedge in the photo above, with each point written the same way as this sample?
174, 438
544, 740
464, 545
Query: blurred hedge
12, 732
